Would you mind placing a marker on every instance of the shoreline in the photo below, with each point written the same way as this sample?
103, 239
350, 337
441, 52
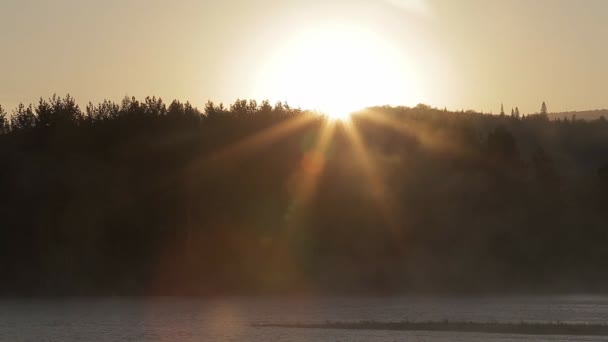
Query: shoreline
522, 328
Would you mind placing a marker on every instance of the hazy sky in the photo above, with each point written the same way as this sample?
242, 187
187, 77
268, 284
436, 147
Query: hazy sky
455, 53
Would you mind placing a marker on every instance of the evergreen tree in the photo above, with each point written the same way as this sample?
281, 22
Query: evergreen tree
502, 109
23, 118
543, 109
4, 126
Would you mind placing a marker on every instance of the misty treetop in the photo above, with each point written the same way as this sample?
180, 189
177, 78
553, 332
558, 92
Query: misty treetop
144, 197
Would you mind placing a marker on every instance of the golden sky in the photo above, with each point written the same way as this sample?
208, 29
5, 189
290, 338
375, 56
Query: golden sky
327, 54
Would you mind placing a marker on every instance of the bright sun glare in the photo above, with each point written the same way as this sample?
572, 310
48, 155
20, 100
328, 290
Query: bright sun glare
336, 70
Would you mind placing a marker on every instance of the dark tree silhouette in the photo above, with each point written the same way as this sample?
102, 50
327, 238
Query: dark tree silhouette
4, 123
23, 118
545, 172
543, 109
143, 197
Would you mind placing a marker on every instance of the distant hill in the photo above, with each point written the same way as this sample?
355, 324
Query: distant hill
581, 115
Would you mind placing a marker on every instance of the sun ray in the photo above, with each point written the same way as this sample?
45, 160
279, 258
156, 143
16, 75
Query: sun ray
430, 137
261, 139
312, 164
245, 146
377, 187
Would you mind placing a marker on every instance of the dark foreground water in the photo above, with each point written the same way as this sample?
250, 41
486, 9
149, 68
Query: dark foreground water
228, 319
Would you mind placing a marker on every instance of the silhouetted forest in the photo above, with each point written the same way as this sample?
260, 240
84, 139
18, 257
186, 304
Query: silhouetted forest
154, 198
580, 115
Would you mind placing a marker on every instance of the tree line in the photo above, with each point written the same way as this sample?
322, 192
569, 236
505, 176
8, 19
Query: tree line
144, 197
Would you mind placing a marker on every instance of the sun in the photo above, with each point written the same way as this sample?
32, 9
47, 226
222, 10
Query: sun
338, 115
336, 70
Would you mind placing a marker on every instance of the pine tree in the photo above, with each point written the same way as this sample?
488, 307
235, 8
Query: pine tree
4, 126
23, 118
543, 109
517, 112
502, 109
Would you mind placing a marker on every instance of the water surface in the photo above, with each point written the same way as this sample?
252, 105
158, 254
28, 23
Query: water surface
228, 319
